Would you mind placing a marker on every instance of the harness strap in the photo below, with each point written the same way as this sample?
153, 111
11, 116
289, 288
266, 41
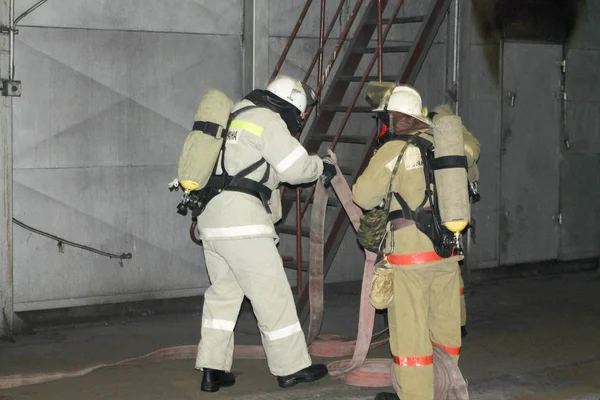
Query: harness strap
395, 215
425, 147
239, 182
210, 128
232, 116
450, 162
248, 186
407, 212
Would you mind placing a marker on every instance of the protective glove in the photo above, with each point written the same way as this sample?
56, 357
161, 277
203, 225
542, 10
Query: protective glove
329, 170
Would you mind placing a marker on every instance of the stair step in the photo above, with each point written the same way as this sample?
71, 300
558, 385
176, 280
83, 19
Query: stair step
355, 139
385, 78
292, 265
326, 107
291, 195
399, 20
388, 49
291, 230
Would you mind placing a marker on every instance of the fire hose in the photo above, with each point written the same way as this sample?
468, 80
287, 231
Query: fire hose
357, 371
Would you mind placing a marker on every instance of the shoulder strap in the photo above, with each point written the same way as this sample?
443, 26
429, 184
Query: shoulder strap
231, 118
252, 167
388, 198
424, 147
248, 170
238, 112
394, 171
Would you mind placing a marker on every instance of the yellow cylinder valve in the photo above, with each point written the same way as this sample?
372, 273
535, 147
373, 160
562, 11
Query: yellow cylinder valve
456, 227
189, 186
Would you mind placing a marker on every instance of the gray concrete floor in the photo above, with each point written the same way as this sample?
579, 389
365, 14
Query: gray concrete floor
533, 338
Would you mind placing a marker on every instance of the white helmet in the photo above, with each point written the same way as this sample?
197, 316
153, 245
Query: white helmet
406, 100
292, 91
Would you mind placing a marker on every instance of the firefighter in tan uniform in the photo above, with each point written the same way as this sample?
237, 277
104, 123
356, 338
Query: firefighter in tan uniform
472, 152
426, 305
238, 234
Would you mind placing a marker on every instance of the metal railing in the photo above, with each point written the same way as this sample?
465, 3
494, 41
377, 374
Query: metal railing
322, 76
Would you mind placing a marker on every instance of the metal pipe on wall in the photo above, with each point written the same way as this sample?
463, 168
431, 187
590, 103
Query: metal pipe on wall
321, 49
379, 41
456, 56
29, 11
7, 316
321, 43
564, 106
11, 40
11, 33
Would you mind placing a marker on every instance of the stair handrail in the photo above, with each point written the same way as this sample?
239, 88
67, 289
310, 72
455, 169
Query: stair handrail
377, 55
322, 75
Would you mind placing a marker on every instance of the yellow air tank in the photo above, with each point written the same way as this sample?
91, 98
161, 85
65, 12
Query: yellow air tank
202, 146
451, 174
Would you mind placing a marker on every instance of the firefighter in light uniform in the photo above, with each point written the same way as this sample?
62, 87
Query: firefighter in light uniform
238, 234
426, 305
472, 151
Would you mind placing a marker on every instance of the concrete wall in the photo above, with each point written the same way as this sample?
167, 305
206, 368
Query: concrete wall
109, 93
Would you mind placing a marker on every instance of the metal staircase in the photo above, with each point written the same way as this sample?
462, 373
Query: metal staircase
339, 96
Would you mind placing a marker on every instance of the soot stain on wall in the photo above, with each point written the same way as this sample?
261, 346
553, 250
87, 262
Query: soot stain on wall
542, 21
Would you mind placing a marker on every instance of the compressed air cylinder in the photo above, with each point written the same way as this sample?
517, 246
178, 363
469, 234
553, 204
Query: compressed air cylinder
451, 179
201, 149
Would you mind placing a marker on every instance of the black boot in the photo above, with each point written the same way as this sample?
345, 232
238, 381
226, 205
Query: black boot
387, 396
309, 374
213, 380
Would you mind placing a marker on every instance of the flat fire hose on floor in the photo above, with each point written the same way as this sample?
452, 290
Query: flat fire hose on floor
358, 371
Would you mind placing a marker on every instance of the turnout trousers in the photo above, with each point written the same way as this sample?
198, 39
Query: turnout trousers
250, 267
425, 310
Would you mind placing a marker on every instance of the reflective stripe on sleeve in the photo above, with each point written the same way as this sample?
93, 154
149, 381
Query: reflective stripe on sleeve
290, 159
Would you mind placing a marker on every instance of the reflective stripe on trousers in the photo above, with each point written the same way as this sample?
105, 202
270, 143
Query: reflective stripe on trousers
413, 361
424, 360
